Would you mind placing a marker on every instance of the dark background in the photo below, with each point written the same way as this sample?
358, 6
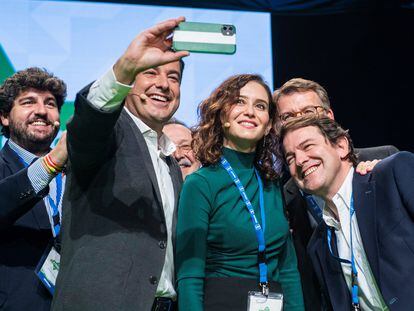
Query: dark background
365, 60
361, 51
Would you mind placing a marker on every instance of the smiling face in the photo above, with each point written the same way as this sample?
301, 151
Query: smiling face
155, 95
31, 120
248, 119
316, 165
181, 137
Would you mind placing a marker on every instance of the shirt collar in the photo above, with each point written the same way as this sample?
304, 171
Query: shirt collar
343, 196
162, 143
25, 155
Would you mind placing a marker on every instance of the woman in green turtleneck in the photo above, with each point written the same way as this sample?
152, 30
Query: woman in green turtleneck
217, 248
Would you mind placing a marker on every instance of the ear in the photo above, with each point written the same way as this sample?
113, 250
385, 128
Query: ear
4, 120
330, 114
342, 146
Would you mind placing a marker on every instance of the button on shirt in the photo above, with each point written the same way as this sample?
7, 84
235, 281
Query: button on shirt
369, 294
107, 94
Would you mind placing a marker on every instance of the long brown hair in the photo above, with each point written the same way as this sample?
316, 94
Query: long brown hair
208, 135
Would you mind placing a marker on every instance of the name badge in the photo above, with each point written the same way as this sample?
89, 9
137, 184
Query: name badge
258, 302
48, 268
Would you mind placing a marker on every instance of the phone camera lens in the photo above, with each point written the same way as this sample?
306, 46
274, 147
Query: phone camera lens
225, 28
231, 28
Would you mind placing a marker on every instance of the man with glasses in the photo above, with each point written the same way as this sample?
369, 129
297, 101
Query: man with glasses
362, 251
298, 97
181, 136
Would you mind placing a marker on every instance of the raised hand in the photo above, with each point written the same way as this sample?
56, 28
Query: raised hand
59, 154
151, 48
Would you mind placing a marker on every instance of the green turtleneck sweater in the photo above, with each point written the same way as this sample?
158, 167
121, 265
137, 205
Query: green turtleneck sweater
216, 238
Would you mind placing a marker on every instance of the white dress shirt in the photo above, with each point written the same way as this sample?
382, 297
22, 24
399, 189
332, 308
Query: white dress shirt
107, 94
370, 297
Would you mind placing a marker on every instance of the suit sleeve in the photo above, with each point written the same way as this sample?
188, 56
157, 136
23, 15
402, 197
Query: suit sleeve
192, 229
90, 134
17, 196
403, 170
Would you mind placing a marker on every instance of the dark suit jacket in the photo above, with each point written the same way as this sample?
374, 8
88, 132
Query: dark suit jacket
302, 230
384, 207
113, 232
24, 234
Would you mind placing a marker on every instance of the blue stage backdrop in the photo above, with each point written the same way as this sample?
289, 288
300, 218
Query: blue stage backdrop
79, 41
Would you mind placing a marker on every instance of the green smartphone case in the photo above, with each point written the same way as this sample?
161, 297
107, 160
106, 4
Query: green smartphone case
205, 38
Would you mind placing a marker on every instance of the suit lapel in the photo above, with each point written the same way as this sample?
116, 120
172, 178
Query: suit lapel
146, 158
38, 212
364, 204
177, 181
291, 191
11, 158
331, 270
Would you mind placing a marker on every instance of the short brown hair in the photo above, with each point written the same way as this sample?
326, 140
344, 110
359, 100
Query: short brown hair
209, 134
297, 85
30, 78
329, 128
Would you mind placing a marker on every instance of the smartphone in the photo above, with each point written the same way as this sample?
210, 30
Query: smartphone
205, 38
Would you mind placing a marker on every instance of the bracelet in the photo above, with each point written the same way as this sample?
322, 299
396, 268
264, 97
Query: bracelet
51, 165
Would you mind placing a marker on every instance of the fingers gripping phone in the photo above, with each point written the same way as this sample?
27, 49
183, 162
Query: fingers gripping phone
205, 38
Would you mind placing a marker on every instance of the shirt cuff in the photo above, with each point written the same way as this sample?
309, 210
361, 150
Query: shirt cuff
107, 94
38, 175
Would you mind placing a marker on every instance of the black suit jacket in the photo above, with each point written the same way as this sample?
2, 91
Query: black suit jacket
384, 207
24, 234
300, 223
113, 233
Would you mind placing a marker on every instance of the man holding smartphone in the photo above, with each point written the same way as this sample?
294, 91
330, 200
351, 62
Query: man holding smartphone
117, 250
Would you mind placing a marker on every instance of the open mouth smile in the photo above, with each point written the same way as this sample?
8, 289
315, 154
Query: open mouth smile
310, 170
248, 124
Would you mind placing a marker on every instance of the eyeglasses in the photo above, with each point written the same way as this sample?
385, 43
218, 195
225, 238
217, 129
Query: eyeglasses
308, 110
184, 148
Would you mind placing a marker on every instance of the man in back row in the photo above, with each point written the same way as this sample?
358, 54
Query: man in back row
362, 251
305, 97
182, 137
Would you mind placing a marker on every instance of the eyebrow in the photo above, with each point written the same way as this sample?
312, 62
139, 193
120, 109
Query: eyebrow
257, 99
305, 142
51, 97
300, 145
174, 72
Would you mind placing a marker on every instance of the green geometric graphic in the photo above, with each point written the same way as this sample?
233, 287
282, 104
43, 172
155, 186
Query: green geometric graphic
6, 67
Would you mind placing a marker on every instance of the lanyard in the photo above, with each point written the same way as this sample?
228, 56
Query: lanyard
313, 207
53, 204
259, 229
354, 272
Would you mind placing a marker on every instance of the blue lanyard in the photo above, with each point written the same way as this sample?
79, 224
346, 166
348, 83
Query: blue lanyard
53, 204
313, 207
259, 229
354, 273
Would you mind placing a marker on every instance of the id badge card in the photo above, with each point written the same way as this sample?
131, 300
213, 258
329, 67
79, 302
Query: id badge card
258, 302
48, 268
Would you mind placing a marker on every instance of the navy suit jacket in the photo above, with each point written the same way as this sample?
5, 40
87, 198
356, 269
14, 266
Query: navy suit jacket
302, 230
24, 234
384, 207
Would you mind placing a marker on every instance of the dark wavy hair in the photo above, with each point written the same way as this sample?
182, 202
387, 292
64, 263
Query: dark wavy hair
30, 78
329, 128
209, 134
